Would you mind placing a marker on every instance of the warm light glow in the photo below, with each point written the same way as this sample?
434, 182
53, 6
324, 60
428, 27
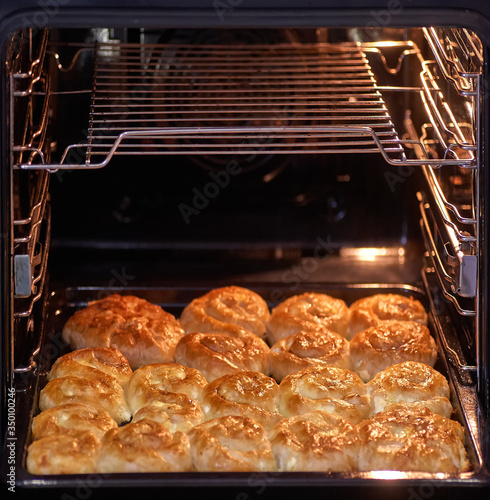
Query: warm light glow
370, 254
388, 474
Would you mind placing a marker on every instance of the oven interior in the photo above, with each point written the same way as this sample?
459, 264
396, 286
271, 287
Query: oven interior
168, 162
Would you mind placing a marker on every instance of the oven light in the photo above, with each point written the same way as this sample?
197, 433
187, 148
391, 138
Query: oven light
371, 254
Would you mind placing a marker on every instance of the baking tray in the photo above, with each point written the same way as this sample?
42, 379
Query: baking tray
63, 302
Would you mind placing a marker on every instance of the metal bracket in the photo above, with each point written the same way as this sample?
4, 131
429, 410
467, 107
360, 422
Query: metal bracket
22, 276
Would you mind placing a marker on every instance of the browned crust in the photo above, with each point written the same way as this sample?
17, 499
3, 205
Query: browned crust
143, 332
229, 309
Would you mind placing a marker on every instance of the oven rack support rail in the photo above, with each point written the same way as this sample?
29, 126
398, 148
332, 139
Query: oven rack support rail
31, 223
165, 99
461, 281
449, 131
450, 236
459, 54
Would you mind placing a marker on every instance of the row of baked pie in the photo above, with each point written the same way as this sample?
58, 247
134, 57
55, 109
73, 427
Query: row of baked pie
102, 376
370, 351
315, 441
227, 419
145, 333
224, 329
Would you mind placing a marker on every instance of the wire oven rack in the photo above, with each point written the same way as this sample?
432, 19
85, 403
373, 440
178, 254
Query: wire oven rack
240, 99
178, 99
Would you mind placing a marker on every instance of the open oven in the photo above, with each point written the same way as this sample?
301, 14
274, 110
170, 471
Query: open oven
164, 150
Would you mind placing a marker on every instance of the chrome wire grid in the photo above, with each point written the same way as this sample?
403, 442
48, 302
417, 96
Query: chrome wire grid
207, 100
215, 99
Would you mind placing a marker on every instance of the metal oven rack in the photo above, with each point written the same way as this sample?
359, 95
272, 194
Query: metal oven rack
257, 99
296, 98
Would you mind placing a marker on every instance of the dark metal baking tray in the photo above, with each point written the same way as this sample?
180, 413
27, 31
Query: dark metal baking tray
63, 302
